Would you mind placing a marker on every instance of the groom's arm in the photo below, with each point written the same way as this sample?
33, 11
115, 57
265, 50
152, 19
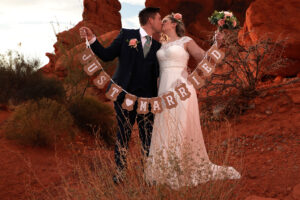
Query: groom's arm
109, 53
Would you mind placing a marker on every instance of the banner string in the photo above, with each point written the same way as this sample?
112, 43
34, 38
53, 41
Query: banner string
88, 46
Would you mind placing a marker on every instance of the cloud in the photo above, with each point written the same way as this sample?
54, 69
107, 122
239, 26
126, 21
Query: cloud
131, 22
37, 21
32, 25
134, 2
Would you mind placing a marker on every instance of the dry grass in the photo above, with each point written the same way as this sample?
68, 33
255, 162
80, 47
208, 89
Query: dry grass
92, 173
40, 123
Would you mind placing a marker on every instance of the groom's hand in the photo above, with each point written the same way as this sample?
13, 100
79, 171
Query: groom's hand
85, 32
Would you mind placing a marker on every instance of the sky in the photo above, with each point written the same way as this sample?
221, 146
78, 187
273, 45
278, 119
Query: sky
29, 26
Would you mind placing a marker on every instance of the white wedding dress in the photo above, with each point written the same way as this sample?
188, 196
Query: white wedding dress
178, 155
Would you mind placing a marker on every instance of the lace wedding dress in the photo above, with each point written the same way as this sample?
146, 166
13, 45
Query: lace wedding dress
178, 155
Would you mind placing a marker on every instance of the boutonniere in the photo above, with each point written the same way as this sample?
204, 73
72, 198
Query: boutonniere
133, 43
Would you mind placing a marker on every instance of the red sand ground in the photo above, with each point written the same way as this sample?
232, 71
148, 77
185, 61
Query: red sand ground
266, 137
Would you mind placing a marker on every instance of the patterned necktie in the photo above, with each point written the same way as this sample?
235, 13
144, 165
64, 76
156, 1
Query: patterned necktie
147, 45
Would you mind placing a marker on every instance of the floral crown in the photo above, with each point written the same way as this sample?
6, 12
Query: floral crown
177, 16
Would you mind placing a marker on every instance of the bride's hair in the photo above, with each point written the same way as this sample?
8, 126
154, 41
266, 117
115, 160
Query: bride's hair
180, 29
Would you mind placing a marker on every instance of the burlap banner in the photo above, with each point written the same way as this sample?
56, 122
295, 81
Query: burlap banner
91, 66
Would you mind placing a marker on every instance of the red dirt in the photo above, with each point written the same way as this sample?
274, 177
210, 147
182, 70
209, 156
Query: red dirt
266, 138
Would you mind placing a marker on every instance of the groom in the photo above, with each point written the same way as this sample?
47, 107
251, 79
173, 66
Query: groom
137, 73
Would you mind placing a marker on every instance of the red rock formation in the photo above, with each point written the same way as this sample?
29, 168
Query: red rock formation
195, 16
277, 19
196, 13
100, 15
70, 58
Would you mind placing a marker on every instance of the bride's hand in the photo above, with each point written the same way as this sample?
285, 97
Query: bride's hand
86, 32
219, 37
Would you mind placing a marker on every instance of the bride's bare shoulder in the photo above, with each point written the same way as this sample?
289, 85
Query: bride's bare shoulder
186, 38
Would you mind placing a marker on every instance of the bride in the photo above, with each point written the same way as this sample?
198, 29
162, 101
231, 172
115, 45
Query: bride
178, 155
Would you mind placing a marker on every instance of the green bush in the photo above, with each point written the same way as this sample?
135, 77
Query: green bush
21, 81
40, 123
94, 116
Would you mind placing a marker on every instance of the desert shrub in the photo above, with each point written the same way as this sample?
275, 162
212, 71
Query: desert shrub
40, 123
20, 80
94, 116
77, 82
228, 91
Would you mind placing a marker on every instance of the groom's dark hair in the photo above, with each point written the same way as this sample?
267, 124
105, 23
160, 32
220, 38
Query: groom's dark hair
146, 13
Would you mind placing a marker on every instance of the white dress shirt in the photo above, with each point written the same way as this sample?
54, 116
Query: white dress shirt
143, 35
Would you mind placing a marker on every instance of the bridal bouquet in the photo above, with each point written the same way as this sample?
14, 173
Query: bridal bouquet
224, 20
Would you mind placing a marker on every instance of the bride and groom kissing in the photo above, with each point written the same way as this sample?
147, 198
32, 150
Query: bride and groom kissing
148, 68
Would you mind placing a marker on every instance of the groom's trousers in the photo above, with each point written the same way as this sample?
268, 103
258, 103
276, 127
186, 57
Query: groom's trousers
126, 120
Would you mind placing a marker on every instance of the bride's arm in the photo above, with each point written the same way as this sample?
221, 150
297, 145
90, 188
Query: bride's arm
195, 51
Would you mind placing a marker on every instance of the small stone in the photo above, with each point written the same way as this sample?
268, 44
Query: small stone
268, 112
251, 106
269, 148
253, 173
224, 143
279, 148
253, 197
278, 79
296, 192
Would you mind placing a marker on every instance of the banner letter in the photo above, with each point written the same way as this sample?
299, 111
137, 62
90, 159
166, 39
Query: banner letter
143, 104
216, 54
182, 91
206, 67
86, 56
101, 80
170, 100
92, 67
113, 92
156, 106
196, 80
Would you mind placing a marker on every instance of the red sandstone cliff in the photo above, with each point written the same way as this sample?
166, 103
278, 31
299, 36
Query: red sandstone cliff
101, 16
276, 19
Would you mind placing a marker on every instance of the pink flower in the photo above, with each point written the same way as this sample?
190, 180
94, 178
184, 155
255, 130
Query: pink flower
178, 16
227, 14
133, 43
221, 22
234, 23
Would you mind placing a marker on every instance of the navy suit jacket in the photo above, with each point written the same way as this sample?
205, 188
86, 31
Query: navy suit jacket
134, 73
